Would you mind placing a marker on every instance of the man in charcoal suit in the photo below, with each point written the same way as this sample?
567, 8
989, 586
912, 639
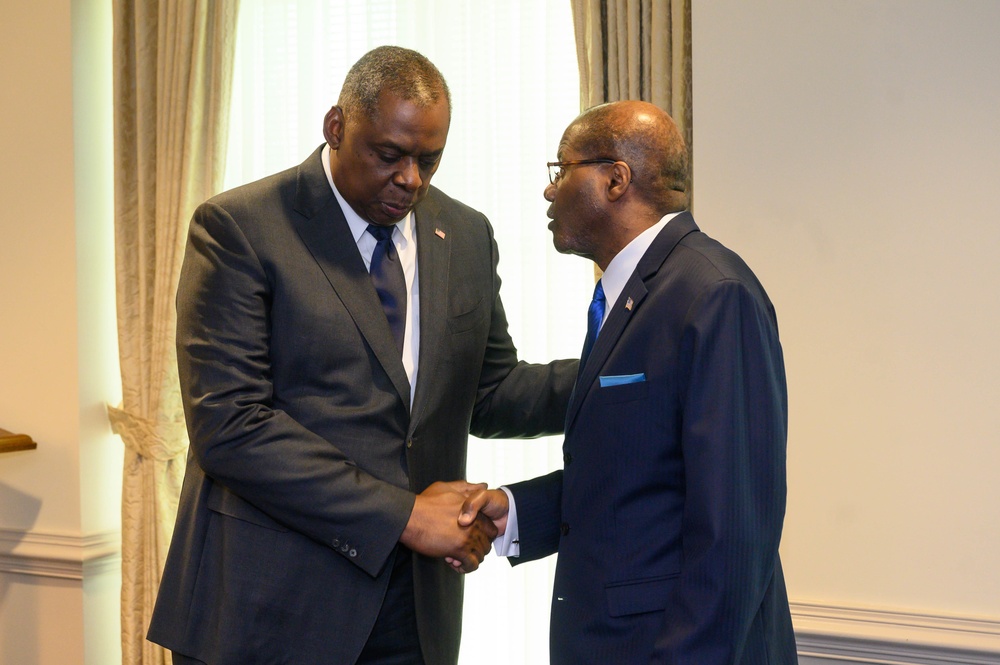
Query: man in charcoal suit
340, 330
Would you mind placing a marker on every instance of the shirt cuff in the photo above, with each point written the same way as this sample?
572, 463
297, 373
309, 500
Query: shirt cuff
508, 544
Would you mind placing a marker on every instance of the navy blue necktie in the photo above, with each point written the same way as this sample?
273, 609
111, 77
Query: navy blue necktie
387, 276
594, 317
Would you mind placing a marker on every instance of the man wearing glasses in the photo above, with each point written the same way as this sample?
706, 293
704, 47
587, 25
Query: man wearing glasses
667, 513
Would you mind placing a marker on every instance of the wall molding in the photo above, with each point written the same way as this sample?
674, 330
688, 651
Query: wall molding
59, 555
827, 633
841, 634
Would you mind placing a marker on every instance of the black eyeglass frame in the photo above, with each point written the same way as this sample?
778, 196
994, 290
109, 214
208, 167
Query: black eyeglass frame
555, 176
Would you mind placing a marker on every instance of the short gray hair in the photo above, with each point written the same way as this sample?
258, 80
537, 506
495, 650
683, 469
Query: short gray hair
405, 72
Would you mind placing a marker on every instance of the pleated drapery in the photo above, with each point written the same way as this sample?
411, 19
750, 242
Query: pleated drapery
173, 62
636, 49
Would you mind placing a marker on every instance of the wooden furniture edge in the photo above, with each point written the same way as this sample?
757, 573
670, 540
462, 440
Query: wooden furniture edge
10, 442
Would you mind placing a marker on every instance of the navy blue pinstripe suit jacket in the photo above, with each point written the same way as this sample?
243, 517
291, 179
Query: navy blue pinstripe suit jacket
668, 512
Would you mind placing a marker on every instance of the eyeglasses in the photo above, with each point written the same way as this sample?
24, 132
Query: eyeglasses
558, 169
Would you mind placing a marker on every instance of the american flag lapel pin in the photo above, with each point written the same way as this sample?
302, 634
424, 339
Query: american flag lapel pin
439, 233
628, 304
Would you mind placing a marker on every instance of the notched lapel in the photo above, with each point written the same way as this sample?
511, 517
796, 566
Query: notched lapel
628, 304
632, 295
434, 236
324, 230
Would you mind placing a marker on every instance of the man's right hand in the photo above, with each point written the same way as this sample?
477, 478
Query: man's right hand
434, 530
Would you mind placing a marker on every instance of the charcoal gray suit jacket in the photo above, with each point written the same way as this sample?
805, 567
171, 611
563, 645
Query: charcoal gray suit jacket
305, 455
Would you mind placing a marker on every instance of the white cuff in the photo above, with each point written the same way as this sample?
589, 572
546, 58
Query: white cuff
508, 544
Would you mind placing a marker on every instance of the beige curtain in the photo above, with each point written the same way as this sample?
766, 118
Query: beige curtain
173, 71
636, 49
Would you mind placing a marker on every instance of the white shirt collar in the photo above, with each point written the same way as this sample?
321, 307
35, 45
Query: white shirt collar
623, 265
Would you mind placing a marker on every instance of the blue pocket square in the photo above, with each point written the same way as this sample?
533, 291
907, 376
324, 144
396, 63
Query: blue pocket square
622, 379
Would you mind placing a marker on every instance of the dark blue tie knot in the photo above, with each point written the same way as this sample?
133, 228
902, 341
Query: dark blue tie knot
598, 300
381, 233
383, 238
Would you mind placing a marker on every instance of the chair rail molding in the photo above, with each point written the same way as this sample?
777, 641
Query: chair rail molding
888, 637
60, 555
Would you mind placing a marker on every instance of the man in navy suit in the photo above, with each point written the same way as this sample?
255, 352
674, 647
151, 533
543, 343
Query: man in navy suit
668, 512
311, 526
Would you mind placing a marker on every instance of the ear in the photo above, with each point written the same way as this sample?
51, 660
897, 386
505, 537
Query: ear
621, 179
333, 126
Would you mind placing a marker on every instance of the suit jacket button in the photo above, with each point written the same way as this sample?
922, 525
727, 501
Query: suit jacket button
353, 552
336, 542
345, 548
564, 528
567, 458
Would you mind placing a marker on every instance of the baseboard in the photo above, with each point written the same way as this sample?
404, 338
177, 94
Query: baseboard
826, 633
882, 637
58, 555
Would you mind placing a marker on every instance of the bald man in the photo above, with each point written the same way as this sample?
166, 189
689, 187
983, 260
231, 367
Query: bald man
667, 514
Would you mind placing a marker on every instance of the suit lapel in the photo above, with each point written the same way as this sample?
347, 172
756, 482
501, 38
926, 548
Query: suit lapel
324, 230
627, 305
433, 258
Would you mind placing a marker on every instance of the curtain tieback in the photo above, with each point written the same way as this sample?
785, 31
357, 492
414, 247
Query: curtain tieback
158, 439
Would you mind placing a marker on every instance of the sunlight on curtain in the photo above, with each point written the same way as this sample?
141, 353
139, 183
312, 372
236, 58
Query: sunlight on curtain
512, 70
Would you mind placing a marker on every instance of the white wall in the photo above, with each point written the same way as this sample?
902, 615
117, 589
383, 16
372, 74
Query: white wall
850, 151
59, 504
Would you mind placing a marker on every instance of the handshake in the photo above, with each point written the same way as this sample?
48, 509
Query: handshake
456, 521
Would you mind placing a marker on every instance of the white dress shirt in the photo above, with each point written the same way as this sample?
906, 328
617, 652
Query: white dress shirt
404, 238
613, 280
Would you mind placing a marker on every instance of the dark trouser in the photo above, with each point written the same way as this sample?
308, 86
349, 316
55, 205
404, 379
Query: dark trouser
393, 640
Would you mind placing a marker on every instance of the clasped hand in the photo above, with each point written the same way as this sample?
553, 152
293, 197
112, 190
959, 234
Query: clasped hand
456, 521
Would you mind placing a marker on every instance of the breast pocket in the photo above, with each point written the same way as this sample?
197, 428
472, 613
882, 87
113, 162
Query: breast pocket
625, 392
466, 320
